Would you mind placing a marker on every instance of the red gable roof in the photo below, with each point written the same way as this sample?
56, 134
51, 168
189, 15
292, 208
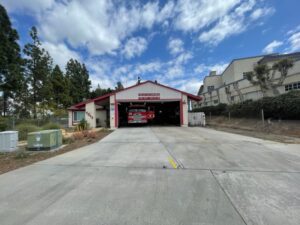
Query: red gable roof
78, 105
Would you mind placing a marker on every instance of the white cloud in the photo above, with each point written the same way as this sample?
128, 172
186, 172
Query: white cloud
194, 15
182, 58
234, 23
294, 42
270, 48
134, 47
60, 53
25, 6
100, 26
175, 46
218, 67
262, 12
228, 25
292, 31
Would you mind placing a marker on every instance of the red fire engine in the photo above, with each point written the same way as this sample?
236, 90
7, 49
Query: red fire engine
140, 114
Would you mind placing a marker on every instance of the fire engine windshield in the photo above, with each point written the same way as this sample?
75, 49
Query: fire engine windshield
137, 110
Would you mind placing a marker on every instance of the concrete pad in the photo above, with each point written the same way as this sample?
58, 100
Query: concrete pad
120, 180
67, 195
240, 156
200, 135
264, 198
129, 135
152, 155
200, 148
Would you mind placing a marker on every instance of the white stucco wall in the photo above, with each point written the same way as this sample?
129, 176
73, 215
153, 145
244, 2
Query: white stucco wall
215, 81
90, 114
101, 116
185, 108
112, 111
70, 118
133, 93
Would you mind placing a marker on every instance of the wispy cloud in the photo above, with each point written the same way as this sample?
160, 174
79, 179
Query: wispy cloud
134, 47
270, 48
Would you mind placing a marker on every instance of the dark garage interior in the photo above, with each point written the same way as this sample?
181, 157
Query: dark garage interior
166, 113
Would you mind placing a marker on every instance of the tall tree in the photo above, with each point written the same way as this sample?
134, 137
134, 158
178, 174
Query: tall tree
79, 81
100, 91
38, 69
266, 78
10, 60
60, 89
119, 86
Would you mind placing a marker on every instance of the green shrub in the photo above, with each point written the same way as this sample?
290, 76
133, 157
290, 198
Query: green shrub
51, 126
214, 110
285, 106
83, 125
26, 128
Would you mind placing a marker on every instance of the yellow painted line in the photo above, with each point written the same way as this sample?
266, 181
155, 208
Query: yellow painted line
173, 163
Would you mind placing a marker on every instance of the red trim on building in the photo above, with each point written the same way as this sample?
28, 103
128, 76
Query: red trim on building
158, 100
181, 111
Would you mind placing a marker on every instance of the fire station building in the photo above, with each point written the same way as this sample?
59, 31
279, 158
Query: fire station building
171, 106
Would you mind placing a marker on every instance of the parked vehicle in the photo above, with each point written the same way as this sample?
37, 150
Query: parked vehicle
140, 114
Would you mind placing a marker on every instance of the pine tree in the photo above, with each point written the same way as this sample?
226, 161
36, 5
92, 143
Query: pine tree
99, 92
119, 86
79, 82
38, 69
60, 89
10, 60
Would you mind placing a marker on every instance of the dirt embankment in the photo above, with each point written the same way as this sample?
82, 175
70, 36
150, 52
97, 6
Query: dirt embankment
275, 130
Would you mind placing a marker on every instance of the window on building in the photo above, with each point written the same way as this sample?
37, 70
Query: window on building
245, 75
216, 101
210, 88
292, 86
78, 116
232, 98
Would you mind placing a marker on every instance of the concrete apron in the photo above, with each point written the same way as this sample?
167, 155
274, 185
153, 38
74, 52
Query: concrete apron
159, 176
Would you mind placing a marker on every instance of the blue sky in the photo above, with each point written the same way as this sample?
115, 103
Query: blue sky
174, 42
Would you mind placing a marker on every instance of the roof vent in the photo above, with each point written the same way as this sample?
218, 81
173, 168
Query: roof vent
212, 73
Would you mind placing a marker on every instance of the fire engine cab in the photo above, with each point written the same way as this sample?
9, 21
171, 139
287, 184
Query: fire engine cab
140, 114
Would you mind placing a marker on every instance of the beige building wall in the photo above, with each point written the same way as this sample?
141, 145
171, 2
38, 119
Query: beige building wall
70, 117
215, 81
101, 116
112, 111
185, 109
246, 91
90, 114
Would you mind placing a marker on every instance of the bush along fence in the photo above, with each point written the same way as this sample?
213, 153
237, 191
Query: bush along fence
285, 106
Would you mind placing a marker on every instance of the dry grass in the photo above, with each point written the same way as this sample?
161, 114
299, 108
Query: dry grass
281, 131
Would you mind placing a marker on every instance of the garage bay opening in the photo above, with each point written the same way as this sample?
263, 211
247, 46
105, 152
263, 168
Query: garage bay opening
162, 113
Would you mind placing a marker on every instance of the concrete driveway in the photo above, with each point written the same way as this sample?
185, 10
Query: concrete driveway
129, 178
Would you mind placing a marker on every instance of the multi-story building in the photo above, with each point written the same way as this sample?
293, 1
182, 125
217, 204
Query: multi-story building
232, 85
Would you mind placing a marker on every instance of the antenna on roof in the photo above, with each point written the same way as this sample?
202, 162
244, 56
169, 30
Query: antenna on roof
155, 81
139, 80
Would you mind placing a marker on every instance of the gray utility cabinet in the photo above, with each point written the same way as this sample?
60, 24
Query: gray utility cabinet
8, 141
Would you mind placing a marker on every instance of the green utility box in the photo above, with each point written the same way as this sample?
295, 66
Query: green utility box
44, 140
